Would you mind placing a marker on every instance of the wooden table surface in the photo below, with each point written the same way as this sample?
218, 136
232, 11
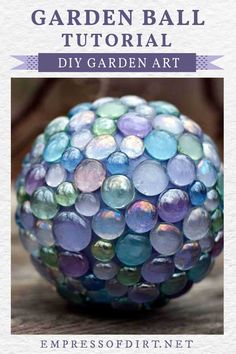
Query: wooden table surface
37, 309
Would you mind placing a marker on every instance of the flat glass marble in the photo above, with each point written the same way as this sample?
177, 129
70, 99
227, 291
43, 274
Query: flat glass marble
120, 203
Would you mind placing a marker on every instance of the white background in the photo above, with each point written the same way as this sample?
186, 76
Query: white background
20, 36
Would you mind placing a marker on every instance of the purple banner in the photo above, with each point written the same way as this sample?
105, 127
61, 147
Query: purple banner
117, 62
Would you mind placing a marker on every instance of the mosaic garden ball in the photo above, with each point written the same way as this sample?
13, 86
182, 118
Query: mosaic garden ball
120, 202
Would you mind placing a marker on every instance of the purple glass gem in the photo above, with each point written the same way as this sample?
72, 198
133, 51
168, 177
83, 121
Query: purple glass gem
27, 218
35, 178
158, 269
141, 216
188, 256
181, 170
173, 205
115, 288
133, 124
73, 264
71, 231
143, 293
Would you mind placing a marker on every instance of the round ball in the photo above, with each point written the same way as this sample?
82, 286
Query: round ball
121, 203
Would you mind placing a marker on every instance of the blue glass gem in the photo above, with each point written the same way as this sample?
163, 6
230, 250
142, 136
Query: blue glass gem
71, 158
197, 193
133, 250
160, 144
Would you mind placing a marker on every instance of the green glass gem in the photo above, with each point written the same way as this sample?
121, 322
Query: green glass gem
66, 194
43, 203
220, 184
49, 256
175, 284
201, 269
21, 195
103, 250
55, 126
128, 275
104, 126
112, 110
162, 107
191, 146
217, 220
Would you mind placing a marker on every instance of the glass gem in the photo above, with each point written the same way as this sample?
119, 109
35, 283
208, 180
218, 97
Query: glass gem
49, 256
29, 241
160, 145
90, 282
103, 250
38, 146
117, 163
104, 126
141, 216
173, 205
132, 100
145, 110
190, 145
89, 175
142, 293
158, 269
163, 107
218, 244
56, 174
43, 232
101, 101
174, 285
35, 178
81, 139
150, 178
133, 250
100, 147
55, 126
87, 204
21, 194
80, 120
43, 203
169, 123
132, 146
201, 269
212, 200
81, 107
71, 158
197, 193
117, 191
108, 224
105, 271
132, 124
55, 147
188, 256
113, 109
181, 170
27, 219
128, 275
211, 154
66, 194
115, 288
206, 173
206, 243
73, 264
190, 126
217, 220
196, 223
166, 239
220, 184
71, 231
